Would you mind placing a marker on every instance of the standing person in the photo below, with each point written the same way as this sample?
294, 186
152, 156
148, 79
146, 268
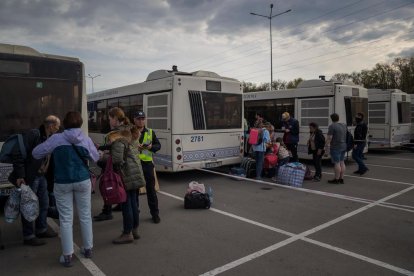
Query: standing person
260, 149
291, 135
147, 146
360, 136
125, 162
316, 145
259, 120
71, 149
32, 172
117, 121
336, 145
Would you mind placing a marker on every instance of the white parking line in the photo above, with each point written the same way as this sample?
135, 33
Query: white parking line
393, 167
302, 236
87, 263
373, 179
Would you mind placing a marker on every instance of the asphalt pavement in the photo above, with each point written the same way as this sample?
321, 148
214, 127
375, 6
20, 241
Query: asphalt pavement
363, 227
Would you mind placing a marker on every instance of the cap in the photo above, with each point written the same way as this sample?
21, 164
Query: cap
139, 114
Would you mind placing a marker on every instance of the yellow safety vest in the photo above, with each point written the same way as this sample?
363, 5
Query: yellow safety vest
146, 155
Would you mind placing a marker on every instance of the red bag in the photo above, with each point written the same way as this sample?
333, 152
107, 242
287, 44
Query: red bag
254, 136
270, 161
111, 185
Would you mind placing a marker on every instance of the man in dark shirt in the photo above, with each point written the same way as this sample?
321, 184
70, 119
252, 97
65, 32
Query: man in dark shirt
360, 135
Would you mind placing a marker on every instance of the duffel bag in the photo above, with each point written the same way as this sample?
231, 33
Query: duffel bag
197, 200
291, 174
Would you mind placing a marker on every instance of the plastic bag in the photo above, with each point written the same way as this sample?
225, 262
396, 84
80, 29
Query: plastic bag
12, 207
195, 186
29, 203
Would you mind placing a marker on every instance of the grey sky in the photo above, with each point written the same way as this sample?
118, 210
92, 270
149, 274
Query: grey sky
125, 40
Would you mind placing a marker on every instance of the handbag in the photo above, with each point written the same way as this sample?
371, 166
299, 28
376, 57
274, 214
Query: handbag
197, 200
111, 185
92, 175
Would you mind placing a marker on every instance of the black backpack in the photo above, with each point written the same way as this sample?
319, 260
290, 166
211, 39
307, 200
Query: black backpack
197, 200
349, 141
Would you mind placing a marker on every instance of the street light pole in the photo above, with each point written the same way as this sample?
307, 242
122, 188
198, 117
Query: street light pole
92, 77
270, 17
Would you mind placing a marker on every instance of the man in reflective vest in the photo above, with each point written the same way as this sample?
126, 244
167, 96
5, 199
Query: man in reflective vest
148, 145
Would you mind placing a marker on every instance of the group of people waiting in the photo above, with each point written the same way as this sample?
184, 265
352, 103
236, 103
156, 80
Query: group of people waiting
65, 153
286, 147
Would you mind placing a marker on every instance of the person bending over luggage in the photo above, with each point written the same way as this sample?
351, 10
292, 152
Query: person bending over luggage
31, 172
71, 150
316, 145
282, 156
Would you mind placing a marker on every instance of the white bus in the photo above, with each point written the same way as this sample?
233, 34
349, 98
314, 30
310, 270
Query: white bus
389, 118
311, 101
196, 116
34, 85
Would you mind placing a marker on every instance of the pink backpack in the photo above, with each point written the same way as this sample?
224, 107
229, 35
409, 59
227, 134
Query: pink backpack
111, 185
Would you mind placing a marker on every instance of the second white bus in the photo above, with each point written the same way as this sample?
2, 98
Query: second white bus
197, 117
389, 118
311, 101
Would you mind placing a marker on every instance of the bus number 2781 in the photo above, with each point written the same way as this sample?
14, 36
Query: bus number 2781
197, 139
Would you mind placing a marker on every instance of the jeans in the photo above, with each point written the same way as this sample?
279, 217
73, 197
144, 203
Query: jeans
130, 212
280, 163
39, 187
293, 148
358, 156
259, 156
148, 169
65, 194
317, 162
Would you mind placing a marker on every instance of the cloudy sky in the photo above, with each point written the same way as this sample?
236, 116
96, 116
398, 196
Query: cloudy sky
124, 40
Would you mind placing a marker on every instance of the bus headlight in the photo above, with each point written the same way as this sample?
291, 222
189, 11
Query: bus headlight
178, 149
179, 157
178, 141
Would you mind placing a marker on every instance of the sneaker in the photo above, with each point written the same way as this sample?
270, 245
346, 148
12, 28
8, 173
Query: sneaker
316, 179
363, 172
117, 208
66, 260
341, 181
34, 242
135, 234
156, 219
87, 253
357, 172
102, 217
49, 233
124, 239
334, 181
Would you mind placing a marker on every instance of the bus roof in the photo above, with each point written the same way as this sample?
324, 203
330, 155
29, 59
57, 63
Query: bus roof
161, 74
27, 51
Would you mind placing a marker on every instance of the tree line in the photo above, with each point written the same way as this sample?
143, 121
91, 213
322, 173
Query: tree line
398, 74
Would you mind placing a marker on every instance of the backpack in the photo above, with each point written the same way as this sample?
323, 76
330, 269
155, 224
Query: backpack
197, 200
9, 145
349, 141
111, 186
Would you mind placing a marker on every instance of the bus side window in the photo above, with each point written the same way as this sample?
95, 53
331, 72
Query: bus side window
348, 111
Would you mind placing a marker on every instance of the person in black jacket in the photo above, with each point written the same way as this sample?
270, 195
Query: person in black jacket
316, 145
360, 136
291, 135
32, 172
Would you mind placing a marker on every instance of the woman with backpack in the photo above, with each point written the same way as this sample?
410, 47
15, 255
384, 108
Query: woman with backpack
316, 145
126, 164
72, 182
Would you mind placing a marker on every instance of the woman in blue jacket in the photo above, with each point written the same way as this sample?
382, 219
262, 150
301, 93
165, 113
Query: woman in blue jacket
70, 150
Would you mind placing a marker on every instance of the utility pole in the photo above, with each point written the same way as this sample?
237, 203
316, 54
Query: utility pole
92, 77
270, 17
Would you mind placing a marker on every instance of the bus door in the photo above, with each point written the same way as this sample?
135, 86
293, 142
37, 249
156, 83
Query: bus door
157, 108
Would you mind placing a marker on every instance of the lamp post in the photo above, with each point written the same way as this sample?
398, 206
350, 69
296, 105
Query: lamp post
92, 77
270, 17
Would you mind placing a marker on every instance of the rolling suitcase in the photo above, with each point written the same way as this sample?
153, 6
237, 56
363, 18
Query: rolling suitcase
249, 166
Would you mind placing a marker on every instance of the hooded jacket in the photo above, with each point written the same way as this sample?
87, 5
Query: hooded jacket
69, 167
125, 162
